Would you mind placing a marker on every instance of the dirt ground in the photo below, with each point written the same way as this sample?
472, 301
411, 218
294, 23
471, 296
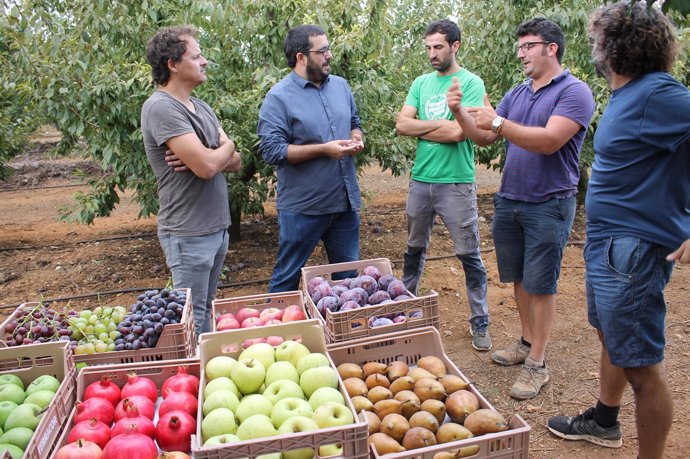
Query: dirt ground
41, 258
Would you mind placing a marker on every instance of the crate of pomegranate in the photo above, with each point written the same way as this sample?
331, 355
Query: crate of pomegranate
157, 326
372, 302
36, 394
418, 404
133, 410
258, 310
274, 401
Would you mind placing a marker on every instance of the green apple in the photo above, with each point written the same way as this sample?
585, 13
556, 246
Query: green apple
314, 378
248, 375
332, 414
256, 426
290, 407
218, 422
25, 415
221, 383
43, 382
313, 360
12, 393
325, 394
19, 437
263, 352
291, 351
331, 450
218, 366
283, 389
13, 451
298, 424
253, 404
221, 440
9, 378
270, 456
41, 398
279, 371
220, 399
6, 408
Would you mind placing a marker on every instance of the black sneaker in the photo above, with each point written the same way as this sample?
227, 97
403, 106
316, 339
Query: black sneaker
584, 427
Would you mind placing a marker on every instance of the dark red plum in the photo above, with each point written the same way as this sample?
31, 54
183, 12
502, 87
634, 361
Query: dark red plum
346, 282
379, 297
385, 281
400, 318
356, 294
367, 283
402, 297
313, 282
380, 322
372, 271
339, 289
332, 303
349, 305
320, 291
396, 288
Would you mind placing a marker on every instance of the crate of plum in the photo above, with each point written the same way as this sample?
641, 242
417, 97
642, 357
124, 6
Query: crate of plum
419, 405
158, 326
371, 302
258, 310
132, 411
36, 394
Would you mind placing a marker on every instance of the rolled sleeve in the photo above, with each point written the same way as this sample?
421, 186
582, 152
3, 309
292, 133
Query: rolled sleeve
355, 122
272, 131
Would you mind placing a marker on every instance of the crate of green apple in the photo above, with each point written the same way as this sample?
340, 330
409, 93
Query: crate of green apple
258, 310
418, 404
36, 394
373, 302
263, 401
157, 326
132, 411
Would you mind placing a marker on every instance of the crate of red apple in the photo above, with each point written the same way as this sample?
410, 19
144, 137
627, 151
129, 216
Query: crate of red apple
373, 302
133, 411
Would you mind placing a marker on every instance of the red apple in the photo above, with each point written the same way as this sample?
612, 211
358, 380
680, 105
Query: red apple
273, 322
271, 313
252, 322
227, 323
244, 313
223, 316
248, 342
292, 313
275, 340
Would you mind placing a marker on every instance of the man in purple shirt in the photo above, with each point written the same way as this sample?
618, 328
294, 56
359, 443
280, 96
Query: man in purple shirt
544, 121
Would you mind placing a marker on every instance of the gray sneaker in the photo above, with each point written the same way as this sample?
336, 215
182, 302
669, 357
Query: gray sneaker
512, 355
584, 427
531, 379
481, 340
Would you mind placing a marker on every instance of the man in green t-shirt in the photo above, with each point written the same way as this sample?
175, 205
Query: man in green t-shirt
442, 181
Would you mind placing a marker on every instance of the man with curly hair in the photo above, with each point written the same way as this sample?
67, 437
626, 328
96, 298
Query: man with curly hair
638, 222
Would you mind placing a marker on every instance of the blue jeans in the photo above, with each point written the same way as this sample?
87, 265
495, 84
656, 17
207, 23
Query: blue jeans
298, 236
196, 263
625, 279
529, 239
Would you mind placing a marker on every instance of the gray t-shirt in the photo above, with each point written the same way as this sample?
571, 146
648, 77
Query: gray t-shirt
189, 205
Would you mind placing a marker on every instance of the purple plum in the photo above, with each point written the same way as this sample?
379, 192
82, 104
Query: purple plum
372, 271
399, 319
320, 291
379, 297
402, 297
416, 314
385, 281
339, 289
332, 303
367, 283
381, 322
346, 282
349, 305
362, 297
313, 282
396, 288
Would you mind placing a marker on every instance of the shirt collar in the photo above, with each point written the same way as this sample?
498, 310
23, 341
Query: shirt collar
555, 79
294, 76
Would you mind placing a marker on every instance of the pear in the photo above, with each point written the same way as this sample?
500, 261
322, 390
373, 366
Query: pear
435, 407
385, 407
453, 383
485, 421
424, 419
460, 404
375, 380
355, 387
373, 422
433, 365
418, 437
402, 383
378, 393
450, 431
350, 370
427, 388
371, 368
396, 369
395, 426
362, 403
419, 373
384, 444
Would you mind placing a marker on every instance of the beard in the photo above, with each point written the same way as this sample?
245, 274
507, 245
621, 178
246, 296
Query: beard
441, 66
317, 73
602, 67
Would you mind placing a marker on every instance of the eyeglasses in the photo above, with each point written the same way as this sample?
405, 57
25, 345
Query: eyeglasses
526, 46
322, 51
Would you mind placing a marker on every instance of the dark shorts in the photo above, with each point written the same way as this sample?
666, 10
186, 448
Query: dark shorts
625, 278
529, 239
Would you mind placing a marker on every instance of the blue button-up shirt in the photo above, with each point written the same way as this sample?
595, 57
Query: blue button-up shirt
297, 112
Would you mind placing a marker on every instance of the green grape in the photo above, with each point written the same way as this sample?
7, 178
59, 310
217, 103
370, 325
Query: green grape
117, 317
112, 326
100, 347
85, 314
104, 337
111, 347
113, 334
108, 311
80, 349
99, 328
89, 329
94, 319
76, 334
90, 348
98, 310
105, 320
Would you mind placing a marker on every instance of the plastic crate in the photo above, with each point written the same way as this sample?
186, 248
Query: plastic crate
419, 311
353, 437
259, 302
118, 374
30, 362
176, 342
409, 347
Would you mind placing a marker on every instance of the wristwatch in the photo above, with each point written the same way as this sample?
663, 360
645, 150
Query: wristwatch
497, 124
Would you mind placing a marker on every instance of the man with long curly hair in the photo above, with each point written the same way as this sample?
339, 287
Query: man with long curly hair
638, 222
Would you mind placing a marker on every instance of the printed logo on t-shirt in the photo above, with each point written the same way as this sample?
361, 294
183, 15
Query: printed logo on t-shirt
436, 107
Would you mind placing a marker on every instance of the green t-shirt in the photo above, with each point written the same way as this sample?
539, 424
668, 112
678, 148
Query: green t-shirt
444, 162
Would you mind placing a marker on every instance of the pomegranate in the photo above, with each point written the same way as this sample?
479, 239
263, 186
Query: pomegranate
94, 407
139, 385
131, 445
92, 430
183, 401
174, 431
142, 424
80, 449
143, 404
181, 382
104, 388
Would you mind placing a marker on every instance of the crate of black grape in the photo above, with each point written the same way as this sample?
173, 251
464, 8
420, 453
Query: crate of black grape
370, 302
157, 326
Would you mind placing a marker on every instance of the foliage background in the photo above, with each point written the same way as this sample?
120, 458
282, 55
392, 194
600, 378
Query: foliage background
80, 65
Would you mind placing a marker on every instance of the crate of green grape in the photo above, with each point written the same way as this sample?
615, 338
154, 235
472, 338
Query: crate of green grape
157, 326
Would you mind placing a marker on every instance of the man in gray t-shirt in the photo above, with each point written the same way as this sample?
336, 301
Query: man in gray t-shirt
188, 151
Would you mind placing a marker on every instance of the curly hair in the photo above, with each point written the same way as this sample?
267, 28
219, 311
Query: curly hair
168, 43
298, 41
632, 40
445, 27
547, 30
